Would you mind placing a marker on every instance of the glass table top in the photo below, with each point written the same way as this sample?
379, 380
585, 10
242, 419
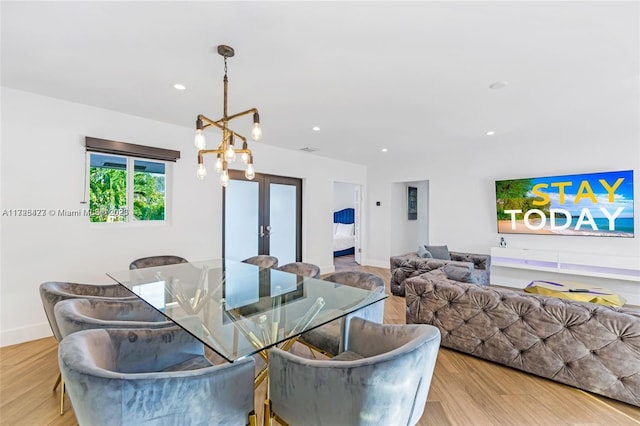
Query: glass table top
238, 309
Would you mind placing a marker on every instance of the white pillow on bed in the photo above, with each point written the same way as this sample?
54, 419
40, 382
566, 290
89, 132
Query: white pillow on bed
335, 227
344, 230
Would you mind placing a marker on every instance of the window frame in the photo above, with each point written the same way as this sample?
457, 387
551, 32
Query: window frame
130, 174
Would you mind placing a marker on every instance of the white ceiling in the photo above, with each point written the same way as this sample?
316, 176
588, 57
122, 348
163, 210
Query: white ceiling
408, 76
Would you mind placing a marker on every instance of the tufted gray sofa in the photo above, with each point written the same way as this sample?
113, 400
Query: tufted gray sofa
585, 345
410, 265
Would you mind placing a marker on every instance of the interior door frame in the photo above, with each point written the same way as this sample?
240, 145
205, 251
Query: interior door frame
264, 181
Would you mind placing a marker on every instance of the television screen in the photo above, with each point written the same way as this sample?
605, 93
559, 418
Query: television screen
594, 204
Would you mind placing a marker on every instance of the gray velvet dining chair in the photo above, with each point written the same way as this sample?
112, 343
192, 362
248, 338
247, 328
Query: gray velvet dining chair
151, 261
301, 268
145, 376
330, 338
263, 261
75, 315
382, 379
52, 292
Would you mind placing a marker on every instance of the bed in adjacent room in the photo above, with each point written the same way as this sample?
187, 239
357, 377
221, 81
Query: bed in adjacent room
343, 232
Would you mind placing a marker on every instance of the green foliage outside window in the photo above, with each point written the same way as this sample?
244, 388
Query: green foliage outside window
148, 196
107, 193
108, 190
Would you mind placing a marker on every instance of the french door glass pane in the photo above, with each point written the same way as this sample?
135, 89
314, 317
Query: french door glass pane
241, 219
282, 217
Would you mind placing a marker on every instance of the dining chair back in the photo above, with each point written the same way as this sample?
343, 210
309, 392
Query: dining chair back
383, 379
263, 261
151, 261
52, 292
75, 315
301, 268
153, 377
332, 338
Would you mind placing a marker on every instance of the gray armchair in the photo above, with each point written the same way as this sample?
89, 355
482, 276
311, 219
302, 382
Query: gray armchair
383, 378
75, 315
143, 376
301, 268
411, 265
52, 292
263, 261
151, 261
330, 338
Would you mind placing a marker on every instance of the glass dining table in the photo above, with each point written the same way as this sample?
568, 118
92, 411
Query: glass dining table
239, 309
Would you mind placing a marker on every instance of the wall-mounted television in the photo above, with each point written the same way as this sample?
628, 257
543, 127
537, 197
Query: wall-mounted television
593, 204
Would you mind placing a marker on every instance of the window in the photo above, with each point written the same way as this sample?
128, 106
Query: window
126, 189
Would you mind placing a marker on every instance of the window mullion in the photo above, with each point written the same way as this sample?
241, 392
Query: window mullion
130, 173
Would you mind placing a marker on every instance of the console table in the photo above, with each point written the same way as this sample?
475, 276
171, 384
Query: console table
514, 267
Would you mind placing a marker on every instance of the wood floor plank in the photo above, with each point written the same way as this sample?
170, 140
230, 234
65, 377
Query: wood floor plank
464, 391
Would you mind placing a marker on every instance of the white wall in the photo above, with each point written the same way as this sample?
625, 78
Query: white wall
462, 212
406, 235
43, 168
343, 196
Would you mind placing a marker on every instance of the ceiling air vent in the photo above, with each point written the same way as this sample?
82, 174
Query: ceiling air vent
309, 149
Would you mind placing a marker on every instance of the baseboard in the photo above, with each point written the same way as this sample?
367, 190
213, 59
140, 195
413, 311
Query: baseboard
377, 263
24, 334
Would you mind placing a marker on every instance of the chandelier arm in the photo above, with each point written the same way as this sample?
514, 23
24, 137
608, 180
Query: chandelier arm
209, 122
240, 114
210, 151
220, 126
202, 152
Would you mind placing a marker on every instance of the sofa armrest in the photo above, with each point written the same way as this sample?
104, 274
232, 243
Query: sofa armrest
407, 267
398, 260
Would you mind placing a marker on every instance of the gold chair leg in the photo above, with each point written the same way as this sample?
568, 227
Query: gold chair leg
267, 412
253, 421
55, 385
62, 397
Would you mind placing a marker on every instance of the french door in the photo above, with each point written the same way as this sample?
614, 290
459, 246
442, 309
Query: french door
262, 216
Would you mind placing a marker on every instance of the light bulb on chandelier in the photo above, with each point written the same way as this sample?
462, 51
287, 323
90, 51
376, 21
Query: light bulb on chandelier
200, 141
224, 178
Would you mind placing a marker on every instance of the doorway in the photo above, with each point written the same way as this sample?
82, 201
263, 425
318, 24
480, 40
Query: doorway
262, 216
347, 216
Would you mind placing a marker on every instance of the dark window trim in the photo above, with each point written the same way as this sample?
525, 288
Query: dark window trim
129, 149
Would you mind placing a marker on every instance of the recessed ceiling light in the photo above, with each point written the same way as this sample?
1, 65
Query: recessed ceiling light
315, 128
179, 86
384, 150
498, 85
490, 133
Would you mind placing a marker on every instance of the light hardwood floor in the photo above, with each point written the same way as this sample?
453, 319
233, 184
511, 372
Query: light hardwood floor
464, 391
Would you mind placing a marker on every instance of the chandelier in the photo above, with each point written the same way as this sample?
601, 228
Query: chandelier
227, 150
